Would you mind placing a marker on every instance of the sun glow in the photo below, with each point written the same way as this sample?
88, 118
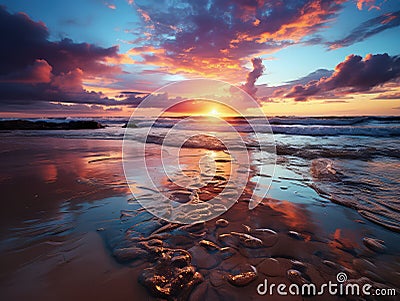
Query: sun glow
200, 107
214, 113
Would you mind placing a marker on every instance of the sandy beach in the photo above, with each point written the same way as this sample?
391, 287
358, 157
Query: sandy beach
50, 246
72, 230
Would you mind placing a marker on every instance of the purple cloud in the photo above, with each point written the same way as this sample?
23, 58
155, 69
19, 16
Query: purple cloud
211, 37
32, 68
258, 70
354, 74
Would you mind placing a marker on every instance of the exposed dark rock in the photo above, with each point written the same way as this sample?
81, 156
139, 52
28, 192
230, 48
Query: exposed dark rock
167, 281
44, 125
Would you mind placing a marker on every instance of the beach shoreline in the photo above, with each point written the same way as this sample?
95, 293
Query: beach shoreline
72, 213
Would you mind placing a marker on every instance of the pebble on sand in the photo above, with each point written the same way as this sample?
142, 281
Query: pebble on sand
295, 235
244, 278
222, 223
376, 245
296, 277
247, 240
209, 245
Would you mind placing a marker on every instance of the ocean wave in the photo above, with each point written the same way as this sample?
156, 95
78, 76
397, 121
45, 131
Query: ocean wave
374, 131
317, 120
372, 126
308, 130
371, 188
358, 153
334, 120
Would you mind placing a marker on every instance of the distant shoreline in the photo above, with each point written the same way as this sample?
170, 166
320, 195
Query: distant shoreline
21, 124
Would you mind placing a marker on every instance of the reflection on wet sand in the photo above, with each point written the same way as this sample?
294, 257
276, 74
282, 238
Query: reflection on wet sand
49, 249
46, 172
225, 258
73, 231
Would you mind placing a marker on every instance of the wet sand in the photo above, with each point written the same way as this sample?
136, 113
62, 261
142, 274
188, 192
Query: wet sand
71, 230
56, 197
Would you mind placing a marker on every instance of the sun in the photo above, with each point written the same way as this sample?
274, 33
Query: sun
214, 112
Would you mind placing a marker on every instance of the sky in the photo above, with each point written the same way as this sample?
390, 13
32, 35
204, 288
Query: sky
295, 57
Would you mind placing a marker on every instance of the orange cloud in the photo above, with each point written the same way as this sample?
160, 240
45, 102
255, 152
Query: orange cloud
369, 3
313, 15
198, 39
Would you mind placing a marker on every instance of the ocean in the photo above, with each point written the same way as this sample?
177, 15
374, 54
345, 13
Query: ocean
352, 161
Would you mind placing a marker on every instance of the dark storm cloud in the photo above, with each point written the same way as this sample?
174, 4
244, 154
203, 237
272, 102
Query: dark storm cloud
24, 41
354, 74
32, 68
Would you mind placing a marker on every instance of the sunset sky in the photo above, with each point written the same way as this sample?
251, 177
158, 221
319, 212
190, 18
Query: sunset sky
102, 58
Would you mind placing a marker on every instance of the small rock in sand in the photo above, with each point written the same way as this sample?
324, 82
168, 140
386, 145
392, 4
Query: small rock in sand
246, 228
229, 240
331, 264
244, 278
298, 265
295, 235
375, 245
222, 223
266, 230
296, 277
209, 245
248, 241
227, 252
269, 237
